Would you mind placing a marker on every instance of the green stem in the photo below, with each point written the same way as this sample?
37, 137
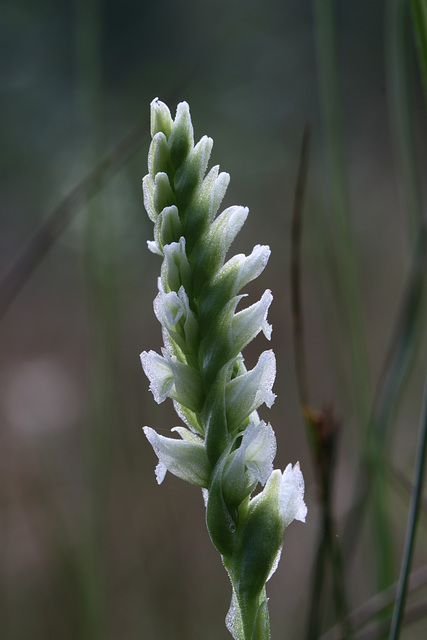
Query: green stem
316, 599
253, 615
344, 244
412, 524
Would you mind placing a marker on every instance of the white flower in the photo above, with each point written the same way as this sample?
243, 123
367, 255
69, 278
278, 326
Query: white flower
175, 268
185, 458
250, 321
245, 393
246, 268
171, 378
174, 314
285, 494
252, 462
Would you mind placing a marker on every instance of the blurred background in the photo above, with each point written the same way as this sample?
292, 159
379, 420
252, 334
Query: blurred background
90, 546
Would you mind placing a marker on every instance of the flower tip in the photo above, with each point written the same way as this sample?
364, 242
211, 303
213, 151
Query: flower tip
161, 119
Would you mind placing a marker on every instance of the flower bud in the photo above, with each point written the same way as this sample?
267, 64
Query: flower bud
161, 119
181, 138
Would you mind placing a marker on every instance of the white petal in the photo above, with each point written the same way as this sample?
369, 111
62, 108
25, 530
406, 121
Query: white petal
168, 308
154, 247
185, 458
260, 450
292, 505
175, 269
160, 472
158, 371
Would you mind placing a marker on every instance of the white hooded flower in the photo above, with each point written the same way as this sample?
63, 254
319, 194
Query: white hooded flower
245, 393
250, 463
185, 458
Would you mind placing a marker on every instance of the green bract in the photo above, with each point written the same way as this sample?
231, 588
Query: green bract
224, 448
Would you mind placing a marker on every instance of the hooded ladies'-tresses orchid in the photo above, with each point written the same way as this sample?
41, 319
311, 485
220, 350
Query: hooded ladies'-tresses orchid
224, 447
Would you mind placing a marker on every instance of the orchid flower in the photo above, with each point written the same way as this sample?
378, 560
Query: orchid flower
223, 447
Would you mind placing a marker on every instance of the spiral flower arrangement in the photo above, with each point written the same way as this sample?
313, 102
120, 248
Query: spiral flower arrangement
223, 445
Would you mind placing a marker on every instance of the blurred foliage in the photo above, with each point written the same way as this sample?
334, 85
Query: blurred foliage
91, 546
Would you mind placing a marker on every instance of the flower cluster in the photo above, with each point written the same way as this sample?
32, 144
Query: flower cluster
224, 447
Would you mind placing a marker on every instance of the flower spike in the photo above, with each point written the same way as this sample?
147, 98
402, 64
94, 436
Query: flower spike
224, 447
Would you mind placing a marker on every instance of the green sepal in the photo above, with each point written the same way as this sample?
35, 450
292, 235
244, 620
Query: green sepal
211, 192
248, 620
190, 418
214, 417
235, 274
191, 172
214, 244
216, 347
261, 625
219, 521
259, 541
181, 138
202, 208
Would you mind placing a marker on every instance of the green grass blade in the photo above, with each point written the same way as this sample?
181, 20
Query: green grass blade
412, 524
344, 242
419, 21
402, 108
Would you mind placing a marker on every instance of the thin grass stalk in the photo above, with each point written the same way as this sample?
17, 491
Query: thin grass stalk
344, 242
300, 359
321, 446
402, 108
412, 524
316, 602
346, 254
419, 21
328, 547
401, 355
103, 312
